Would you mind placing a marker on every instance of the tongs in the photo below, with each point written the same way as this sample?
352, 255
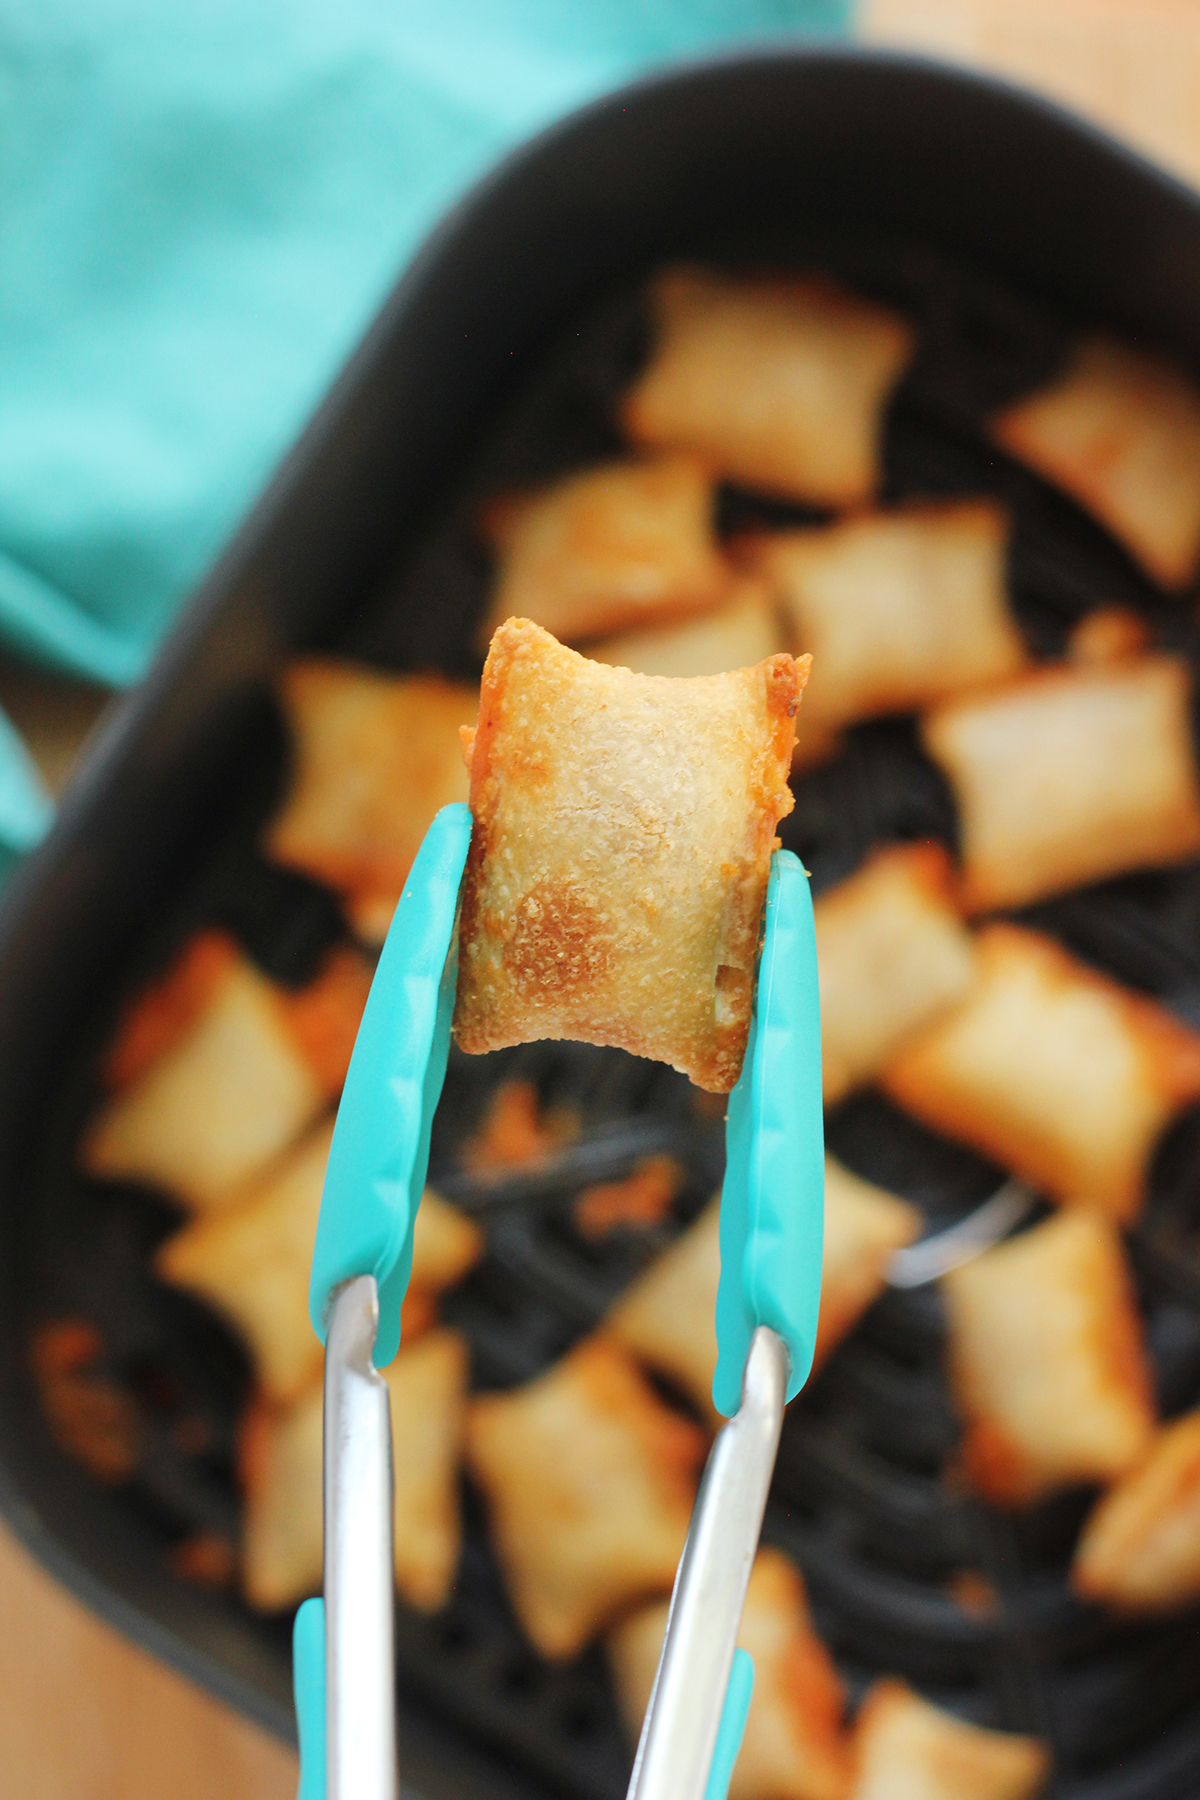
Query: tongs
771, 1235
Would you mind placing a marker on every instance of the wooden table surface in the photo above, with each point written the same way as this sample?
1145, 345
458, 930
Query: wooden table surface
83, 1714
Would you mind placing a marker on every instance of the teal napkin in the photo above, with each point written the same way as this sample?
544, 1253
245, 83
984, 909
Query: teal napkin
201, 205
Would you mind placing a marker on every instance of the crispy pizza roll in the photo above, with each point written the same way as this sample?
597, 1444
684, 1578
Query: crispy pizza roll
1047, 1361
899, 609
219, 1076
1120, 432
622, 545
906, 1749
893, 954
1140, 1548
619, 858
794, 1747
252, 1262
1053, 1070
666, 1317
1069, 776
746, 629
281, 1474
864, 1227
375, 757
589, 1481
779, 381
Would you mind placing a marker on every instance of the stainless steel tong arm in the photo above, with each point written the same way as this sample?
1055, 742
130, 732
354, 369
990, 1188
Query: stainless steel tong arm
360, 1688
680, 1729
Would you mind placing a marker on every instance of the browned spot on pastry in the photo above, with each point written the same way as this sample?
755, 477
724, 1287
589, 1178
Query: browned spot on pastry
558, 937
163, 1012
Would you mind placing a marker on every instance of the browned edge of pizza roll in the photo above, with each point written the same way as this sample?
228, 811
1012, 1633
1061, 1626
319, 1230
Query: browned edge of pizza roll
216, 1085
905, 1746
374, 757
621, 545
1119, 430
1139, 1551
1052, 1069
589, 1482
780, 381
1069, 776
893, 955
795, 1746
1047, 1361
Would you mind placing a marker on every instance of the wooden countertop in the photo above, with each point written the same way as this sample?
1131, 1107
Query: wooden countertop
83, 1714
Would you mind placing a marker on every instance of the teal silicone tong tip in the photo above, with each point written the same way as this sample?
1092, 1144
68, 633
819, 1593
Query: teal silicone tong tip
380, 1150
773, 1197
308, 1682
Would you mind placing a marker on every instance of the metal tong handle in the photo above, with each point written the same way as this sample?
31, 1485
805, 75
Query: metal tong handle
679, 1734
360, 1687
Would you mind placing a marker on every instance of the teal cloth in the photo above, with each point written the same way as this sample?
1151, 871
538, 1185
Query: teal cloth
200, 208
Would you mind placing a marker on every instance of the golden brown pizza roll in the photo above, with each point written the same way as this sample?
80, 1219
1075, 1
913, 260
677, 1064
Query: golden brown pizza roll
374, 758
1053, 1070
215, 1089
906, 1749
899, 609
893, 954
625, 544
780, 381
589, 1481
1069, 776
746, 629
252, 1262
794, 1746
619, 858
1140, 1548
281, 1474
864, 1227
666, 1317
1047, 1361
1120, 432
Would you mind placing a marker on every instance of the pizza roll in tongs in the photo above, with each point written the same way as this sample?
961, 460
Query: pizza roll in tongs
620, 874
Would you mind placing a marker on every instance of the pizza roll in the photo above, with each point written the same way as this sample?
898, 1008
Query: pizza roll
1070, 776
618, 865
1120, 432
667, 1316
745, 630
252, 1262
222, 1074
893, 954
864, 1227
780, 381
1047, 1361
282, 1477
625, 544
906, 1749
374, 758
899, 609
794, 1746
1140, 1547
1053, 1070
589, 1481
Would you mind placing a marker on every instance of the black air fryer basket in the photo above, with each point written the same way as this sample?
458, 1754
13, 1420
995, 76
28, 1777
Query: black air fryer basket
1000, 226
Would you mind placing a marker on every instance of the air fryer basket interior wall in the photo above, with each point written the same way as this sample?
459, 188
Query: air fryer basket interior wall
819, 141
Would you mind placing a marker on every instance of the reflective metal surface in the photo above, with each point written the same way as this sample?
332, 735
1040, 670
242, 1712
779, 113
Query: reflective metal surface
680, 1729
360, 1692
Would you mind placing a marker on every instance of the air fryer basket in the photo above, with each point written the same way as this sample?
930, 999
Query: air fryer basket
1000, 226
